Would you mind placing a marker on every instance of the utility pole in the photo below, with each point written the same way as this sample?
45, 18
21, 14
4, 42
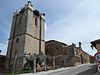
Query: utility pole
45, 63
34, 65
34, 62
54, 62
65, 61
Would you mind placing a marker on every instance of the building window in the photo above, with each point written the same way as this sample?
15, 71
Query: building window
36, 21
17, 40
57, 48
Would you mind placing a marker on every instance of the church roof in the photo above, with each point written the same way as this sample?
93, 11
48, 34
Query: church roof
56, 41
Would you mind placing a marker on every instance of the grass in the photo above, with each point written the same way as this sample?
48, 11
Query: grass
20, 72
24, 71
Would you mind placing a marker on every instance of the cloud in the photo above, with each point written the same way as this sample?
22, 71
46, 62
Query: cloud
3, 48
81, 24
84, 20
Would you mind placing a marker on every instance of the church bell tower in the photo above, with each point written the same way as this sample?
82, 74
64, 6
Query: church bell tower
27, 35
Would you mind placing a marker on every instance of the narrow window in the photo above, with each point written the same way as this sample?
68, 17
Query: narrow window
57, 48
36, 21
17, 40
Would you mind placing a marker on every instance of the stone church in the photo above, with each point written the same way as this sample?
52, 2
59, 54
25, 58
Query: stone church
65, 55
27, 35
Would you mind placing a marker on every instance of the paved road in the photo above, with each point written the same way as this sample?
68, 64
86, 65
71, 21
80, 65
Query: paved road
88, 69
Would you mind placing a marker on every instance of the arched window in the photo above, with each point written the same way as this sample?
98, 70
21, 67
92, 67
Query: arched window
36, 21
17, 40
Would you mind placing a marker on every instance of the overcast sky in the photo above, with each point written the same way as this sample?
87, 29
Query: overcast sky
68, 21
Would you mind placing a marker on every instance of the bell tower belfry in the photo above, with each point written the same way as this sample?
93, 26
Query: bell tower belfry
27, 34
